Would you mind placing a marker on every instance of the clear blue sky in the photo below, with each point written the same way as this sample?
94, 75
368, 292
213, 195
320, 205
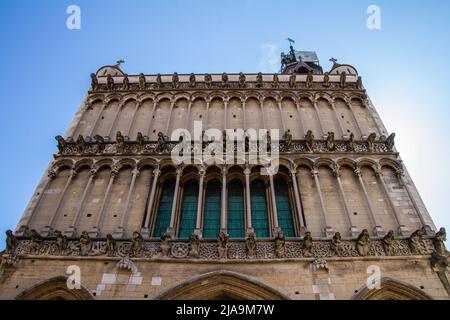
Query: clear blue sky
45, 69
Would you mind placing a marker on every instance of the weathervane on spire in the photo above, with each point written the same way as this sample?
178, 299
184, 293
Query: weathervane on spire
291, 48
119, 62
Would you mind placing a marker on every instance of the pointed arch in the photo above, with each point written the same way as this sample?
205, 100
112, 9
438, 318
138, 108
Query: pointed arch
54, 289
219, 285
391, 289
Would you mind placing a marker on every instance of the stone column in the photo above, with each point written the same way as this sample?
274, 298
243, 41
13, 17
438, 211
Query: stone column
147, 130
261, 104
172, 104
302, 125
72, 230
378, 230
119, 232
119, 110
198, 225
95, 231
298, 203
27, 220
145, 231
283, 120
341, 127
366, 105
208, 101
245, 114
361, 133
97, 119
49, 227
133, 117
402, 229
171, 228
188, 117
319, 118
248, 203
276, 227
328, 229
427, 228
225, 116
223, 214
353, 231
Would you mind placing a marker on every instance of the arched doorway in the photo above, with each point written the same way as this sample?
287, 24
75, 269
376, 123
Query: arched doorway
391, 289
223, 285
54, 289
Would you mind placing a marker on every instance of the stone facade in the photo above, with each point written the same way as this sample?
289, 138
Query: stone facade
140, 226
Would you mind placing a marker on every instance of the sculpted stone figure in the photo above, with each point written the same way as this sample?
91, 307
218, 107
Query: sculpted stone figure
388, 243
110, 245
415, 242
194, 241
94, 82
61, 242
224, 79
110, 82
140, 142
259, 80
175, 80
359, 83
276, 81
307, 244
208, 80
292, 80
309, 141
371, 141
438, 241
192, 81
362, 243
342, 80
280, 242
120, 142
330, 141
142, 81
136, 244
162, 145
242, 80
165, 244
251, 244
326, 80
36, 240
125, 83
309, 80
99, 141
351, 143
390, 142
85, 242
11, 241
288, 140
336, 244
158, 83
222, 240
61, 143
81, 144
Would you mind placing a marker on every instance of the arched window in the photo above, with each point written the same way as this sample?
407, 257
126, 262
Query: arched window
260, 220
211, 222
284, 211
236, 222
164, 209
189, 209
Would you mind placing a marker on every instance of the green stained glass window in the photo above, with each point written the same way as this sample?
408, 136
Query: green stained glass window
164, 209
236, 222
189, 209
260, 218
211, 222
284, 211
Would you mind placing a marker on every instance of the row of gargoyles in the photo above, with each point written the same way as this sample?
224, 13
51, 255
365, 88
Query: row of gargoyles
142, 83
